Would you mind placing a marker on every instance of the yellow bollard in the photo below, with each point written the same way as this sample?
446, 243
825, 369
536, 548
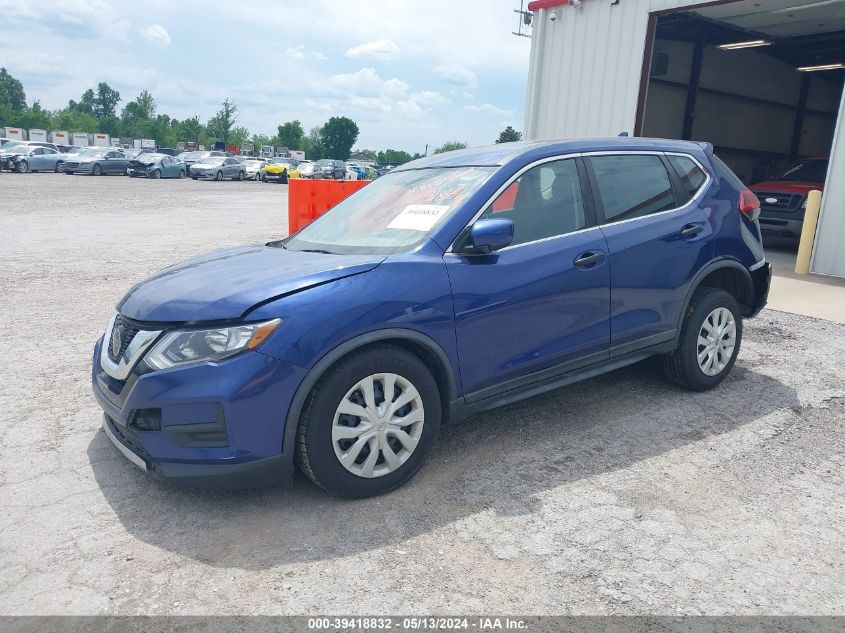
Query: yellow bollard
808, 232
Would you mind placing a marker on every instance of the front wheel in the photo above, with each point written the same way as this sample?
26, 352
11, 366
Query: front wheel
156, 174
97, 170
23, 167
709, 342
60, 166
284, 178
219, 176
369, 423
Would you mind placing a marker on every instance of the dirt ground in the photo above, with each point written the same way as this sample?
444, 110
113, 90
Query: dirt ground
621, 495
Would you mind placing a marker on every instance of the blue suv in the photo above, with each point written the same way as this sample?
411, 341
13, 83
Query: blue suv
453, 284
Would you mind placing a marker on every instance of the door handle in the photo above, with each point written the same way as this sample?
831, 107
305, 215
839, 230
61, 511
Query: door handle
691, 230
589, 259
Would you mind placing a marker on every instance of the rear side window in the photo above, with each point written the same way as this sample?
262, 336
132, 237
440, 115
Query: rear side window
632, 186
691, 175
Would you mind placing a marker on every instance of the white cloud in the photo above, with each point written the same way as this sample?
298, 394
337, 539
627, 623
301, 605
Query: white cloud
383, 50
157, 34
429, 98
489, 108
366, 82
456, 75
303, 52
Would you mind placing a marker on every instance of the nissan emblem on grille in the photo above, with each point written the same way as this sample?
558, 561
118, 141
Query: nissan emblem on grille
116, 340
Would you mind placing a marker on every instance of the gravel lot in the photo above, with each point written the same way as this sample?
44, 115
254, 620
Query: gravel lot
620, 495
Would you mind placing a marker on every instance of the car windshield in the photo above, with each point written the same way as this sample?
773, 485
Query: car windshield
324, 163
213, 160
149, 157
281, 161
806, 171
393, 214
254, 163
11, 147
94, 152
192, 156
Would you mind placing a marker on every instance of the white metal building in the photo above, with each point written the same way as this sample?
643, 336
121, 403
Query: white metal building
660, 68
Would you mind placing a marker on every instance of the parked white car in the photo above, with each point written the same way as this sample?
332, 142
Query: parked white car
350, 174
255, 168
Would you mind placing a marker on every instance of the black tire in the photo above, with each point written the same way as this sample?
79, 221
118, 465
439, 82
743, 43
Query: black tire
156, 174
181, 173
194, 178
314, 448
23, 167
60, 166
241, 176
283, 179
681, 366
97, 170
219, 176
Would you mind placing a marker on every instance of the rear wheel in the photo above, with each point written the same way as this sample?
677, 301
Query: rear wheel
709, 343
241, 175
369, 423
181, 173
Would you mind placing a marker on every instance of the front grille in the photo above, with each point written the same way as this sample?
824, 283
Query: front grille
71, 165
119, 338
785, 201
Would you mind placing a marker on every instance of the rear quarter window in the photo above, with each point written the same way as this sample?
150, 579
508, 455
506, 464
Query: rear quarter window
691, 175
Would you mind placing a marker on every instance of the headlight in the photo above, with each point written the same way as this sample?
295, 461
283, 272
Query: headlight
182, 347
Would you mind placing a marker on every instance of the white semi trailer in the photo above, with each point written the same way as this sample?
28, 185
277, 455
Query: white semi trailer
59, 137
38, 136
15, 134
99, 140
79, 139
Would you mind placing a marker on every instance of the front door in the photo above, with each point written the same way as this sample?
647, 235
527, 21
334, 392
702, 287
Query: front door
539, 306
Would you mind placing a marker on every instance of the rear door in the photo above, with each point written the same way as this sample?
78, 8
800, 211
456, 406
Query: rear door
539, 307
658, 239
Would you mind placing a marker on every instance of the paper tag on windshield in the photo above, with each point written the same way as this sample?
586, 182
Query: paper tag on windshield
418, 217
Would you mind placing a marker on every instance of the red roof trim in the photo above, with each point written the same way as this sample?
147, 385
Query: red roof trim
536, 5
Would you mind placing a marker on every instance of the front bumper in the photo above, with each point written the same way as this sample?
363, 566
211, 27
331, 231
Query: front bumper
220, 425
781, 227
79, 169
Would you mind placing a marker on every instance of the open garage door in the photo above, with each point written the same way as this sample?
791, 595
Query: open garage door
763, 82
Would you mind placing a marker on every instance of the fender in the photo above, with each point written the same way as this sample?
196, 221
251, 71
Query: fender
714, 265
313, 375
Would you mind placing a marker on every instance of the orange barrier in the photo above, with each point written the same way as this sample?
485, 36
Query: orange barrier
309, 199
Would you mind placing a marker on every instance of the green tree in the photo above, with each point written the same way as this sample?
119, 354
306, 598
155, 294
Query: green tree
73, 120
34, 117
393, 157
291, 135
221, 123
238, 136
509, 135
450, 146
105, 101
191, 130
136, 119
313, 144
338, 136
86, 102
12, 94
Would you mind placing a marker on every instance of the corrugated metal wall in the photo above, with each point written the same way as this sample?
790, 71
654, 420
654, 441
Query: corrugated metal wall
584, 75
829, 249
584, 80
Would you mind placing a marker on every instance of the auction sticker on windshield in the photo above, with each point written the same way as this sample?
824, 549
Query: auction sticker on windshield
418, 217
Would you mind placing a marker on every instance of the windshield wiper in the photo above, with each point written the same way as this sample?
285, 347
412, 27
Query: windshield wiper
317, 250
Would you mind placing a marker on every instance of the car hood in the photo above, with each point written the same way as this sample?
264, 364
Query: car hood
787, 186
225, 284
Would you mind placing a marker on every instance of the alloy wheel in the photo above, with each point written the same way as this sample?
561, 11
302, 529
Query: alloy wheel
377, 425
716, 341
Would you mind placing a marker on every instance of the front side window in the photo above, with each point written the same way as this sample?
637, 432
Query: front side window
392, 214
632, 186
543, 202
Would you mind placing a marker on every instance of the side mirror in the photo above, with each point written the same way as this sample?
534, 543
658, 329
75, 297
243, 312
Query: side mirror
488, 235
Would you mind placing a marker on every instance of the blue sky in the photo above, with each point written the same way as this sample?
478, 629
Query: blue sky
409, 72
